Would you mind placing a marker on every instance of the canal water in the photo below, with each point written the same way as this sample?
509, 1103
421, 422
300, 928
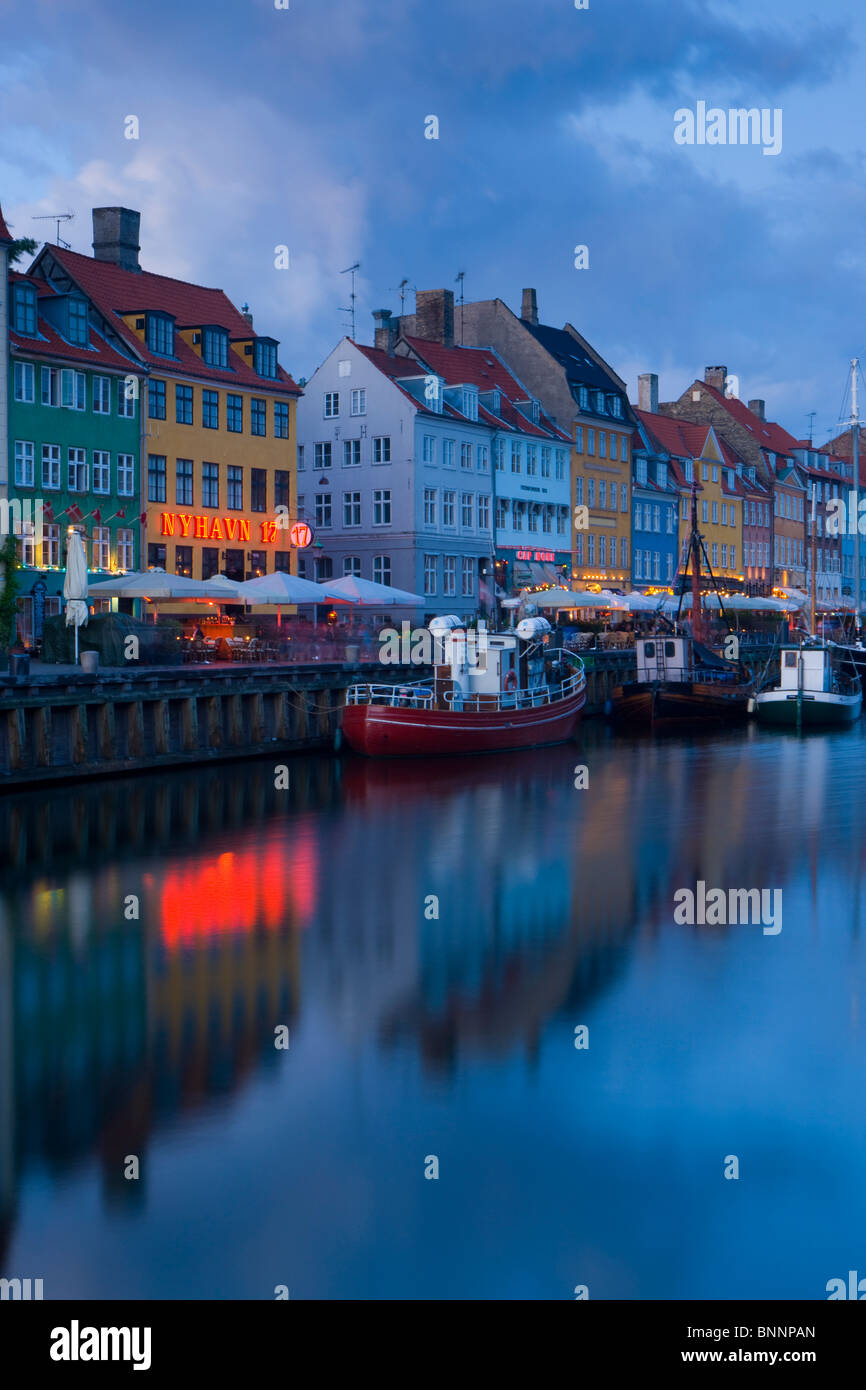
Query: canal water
431, 935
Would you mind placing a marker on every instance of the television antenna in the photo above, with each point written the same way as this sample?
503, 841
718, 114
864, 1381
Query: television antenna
56, 217
350, 270
401, 290
810, 416
459, 281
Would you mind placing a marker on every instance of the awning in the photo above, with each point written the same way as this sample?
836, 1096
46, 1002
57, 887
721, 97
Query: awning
541, 574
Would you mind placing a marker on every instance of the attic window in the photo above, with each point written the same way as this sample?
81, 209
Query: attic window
616, 407
689, 471
24, 310
696, 395
160, 334
583, 395
215, 347
77, 327
266, 357
470, 403
599, 402
536, 412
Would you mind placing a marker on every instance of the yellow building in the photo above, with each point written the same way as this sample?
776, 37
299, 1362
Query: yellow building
719, 503
601, 488
219, 441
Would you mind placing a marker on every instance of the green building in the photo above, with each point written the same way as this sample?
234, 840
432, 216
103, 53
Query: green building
74, 442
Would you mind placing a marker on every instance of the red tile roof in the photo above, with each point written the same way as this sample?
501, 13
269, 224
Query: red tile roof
51, 345
116, 291
766, 433
5, 234
481, 367
680, 438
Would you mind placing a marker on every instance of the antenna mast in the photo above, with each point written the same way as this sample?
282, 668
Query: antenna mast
350, 270
57, 218
855, 440
459, 281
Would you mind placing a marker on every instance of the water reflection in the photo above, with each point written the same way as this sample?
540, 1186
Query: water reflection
462, 915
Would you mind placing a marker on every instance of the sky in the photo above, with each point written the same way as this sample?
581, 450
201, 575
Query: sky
304, 127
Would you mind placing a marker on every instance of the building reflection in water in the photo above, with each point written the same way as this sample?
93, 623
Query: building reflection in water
256, 903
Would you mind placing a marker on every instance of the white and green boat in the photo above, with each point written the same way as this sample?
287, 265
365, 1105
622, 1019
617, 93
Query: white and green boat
817, 688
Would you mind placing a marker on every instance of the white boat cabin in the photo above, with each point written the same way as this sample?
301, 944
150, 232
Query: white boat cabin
806, 668
663, 658
478, 662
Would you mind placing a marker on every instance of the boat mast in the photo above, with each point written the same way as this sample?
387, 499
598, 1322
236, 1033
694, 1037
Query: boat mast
814, 509
855, 439
695, 547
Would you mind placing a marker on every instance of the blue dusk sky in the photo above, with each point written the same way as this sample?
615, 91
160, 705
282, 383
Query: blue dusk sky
306, 127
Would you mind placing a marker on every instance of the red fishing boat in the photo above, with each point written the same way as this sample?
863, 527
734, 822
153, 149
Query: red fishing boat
490, 692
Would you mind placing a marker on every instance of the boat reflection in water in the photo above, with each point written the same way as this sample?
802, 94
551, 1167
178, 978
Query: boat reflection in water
432, 934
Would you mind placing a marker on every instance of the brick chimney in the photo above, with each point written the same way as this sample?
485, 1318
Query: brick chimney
115, 236
648, 392
529, 308
758, 408
434, 316
386, 331
716, 376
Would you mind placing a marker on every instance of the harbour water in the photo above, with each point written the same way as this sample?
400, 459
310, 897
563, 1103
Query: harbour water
432, 935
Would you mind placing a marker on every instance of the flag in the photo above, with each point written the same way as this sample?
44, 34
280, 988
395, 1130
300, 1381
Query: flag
74, 513
47, 511
143, 517
121, 513
97, 516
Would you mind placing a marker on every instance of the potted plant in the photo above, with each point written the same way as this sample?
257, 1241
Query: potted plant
8, 597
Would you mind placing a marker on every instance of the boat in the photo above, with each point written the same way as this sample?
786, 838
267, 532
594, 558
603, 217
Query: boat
679, 679
818, 687
490, 692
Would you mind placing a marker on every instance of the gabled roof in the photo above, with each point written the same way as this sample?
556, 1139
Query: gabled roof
51, 344
483, 368
679, 438
766, 433
581, 369
115, 291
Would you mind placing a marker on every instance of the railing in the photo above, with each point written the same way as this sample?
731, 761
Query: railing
395, 696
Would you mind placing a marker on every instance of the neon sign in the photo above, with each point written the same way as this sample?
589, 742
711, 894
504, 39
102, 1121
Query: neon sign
543, 555
301, 535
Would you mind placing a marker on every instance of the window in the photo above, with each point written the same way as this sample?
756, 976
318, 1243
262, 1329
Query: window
210, 485
183, 560
51, 467
578, 548
531, 460
562, 521
301, 463
602, 552
640, 471
449, 508
590, 492
156, 399
215, 347
183, 405
465, 454
449, 575
351, 509
599, 402
501, 513
715, 513
431, 566
50, 386
51, 545
705, 510
725, 556
584, 398
381, 507
351, 453
429, 506
602, 493
323, 510
282, 488
467, 588
352, 566
590, 550
331, 405
76, 470
733, 554
533, 516
657, 517
210, 410
623, 552
281, 420
578, 491
155, 478
590, 442
517, 512
545, 462
183, 486
258, 416
24, 463
127, 395
24, 309
602, 444
670, 517
265, 357
101, 471
234, 414
715, 555
428, 448
382, 569
156, 556
234, 488
258, 490
578, 438
322, 454
623, 497
73, 389
483, 512
102, 395
160, 334
258, 563
467, 510
616, 407
469, 407
25, 382
715, 473
499, 453
359, 402
382, 449
483, 458
101, 548
560, 464
447, 453
515, 457
690, 471
724, 513
210, 562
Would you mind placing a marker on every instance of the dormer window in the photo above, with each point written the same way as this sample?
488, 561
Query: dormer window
731, 478
159, 334
215, 347
433, 393
599, 402
77, 327
265, 359
690, 471
536, 412
640, 470
497, 401
662, 474
470, 403
24, 310
584, 397
616, 407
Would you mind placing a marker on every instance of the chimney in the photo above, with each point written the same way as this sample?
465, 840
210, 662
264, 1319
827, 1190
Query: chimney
434, 316
758, 408
115, 236
386, 332
716, 376
245, 310
648, 392
529, 308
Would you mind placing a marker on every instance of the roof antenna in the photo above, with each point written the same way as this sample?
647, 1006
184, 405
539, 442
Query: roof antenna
350, 270
459, 281
810, 416
56, 217
401, 290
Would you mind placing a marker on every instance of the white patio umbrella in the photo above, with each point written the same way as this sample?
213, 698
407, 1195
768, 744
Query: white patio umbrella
351, 589
155, 585
643, 603
574, 598
75, 585
283, 590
